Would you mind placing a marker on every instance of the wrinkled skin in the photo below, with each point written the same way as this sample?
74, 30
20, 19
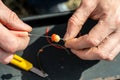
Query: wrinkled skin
103, 40
13, 34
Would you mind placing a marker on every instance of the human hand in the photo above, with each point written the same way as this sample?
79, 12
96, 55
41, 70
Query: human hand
13, 34
103, 40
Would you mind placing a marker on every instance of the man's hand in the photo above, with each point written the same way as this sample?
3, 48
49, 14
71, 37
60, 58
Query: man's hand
103, 40
13, 34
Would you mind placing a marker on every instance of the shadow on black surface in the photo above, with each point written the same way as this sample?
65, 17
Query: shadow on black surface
56, 62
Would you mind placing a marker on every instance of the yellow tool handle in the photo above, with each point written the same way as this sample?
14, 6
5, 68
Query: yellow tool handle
21, 63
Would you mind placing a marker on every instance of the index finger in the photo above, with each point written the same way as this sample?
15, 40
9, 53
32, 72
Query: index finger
11, 20
77, 20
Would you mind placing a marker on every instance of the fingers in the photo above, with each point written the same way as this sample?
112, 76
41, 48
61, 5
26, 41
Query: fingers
20, 33
7, 54
11, 20
105, 51
13, 34
6, 38
98, 33
12, 41
85, 54
22, 39
22, 42
110, 42
110, 46
77, 20
5, 57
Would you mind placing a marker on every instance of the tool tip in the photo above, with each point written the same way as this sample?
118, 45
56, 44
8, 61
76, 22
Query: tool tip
39, 72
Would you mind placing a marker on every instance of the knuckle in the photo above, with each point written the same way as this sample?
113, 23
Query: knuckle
110, 57
104, 56
92, 41
12, 17
71, 20
74, 19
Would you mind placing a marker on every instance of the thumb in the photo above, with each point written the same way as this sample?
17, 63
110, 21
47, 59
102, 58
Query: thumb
11, 20
78, 19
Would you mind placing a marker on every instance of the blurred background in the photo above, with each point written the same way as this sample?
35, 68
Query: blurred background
24, 8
